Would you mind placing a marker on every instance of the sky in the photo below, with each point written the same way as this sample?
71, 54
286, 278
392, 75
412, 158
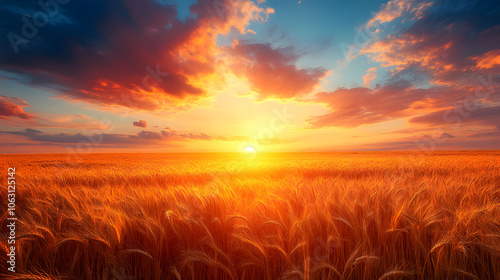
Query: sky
242, 75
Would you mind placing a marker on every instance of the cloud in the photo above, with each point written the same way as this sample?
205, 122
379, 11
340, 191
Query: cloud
352, 107
272, 72
398, 98
430, 143
371, 74
96, 139
151, 135
486, 116
140, 123
390, 11
64, 138
423, 148
495, 133
441, 136
440, 55
201, 136
52, 120
128, 53
145, 137
488, 60
448, 40
13, 107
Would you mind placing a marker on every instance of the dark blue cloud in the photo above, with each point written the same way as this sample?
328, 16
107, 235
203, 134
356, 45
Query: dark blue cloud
108, 51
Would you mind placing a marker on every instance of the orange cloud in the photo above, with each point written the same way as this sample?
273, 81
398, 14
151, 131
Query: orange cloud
13, 107
371, 74
390, 11
272, 72
352, 107
397, 8
488, 60
357, 106
388, 52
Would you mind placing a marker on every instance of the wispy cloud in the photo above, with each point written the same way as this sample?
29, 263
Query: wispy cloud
13, 107
371, 74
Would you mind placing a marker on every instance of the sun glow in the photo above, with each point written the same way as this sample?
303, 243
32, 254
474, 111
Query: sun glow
250, 149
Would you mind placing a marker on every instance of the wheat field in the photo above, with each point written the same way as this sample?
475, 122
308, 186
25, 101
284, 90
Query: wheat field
365, 215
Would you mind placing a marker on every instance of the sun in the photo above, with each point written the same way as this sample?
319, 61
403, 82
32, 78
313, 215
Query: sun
250, 149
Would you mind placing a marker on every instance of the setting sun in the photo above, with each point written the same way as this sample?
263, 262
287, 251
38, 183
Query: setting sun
250, 149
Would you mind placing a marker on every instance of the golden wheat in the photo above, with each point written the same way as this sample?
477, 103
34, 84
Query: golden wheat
278, 216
